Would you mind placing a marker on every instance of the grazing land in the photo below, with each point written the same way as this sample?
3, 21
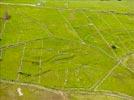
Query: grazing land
67, 49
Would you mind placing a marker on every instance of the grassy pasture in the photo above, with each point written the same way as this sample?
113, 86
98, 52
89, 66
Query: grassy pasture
69, 46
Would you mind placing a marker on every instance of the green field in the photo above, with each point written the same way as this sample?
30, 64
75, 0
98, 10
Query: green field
84, 48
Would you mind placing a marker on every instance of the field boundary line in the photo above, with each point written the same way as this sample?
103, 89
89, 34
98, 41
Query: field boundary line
2, 30
19, 4
103, 92
40, 61
39, 6
22, 43
129, 69
1, 36
117, 94
21, 62
31, 85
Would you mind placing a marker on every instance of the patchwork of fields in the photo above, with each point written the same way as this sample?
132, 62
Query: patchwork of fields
78, 47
